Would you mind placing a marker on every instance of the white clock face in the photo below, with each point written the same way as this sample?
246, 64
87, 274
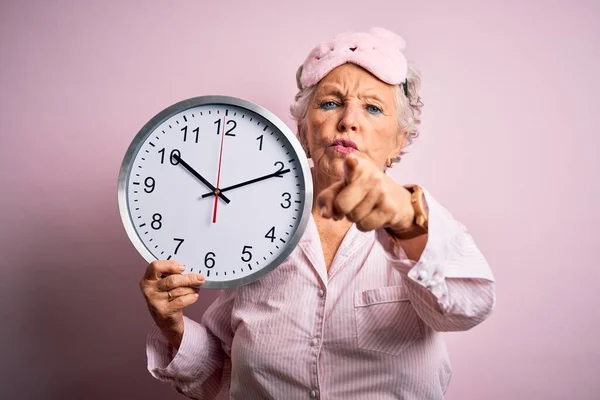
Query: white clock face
204, 146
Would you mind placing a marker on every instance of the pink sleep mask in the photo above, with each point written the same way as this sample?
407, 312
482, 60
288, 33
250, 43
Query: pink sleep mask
379, 51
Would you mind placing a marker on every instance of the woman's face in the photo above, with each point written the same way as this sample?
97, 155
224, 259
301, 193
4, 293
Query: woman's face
352, 110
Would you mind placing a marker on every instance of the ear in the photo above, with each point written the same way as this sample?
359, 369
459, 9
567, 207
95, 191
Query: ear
402, 140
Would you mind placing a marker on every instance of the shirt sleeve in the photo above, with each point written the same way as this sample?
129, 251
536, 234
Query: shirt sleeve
451, 286
201, 367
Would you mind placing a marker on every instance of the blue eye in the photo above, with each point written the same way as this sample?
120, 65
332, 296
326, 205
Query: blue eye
328, 105
373, 109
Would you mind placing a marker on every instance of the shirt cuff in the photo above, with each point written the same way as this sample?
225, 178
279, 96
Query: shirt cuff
450, 252
166, 363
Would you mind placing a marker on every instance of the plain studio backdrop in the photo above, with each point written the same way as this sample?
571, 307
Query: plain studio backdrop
508, 144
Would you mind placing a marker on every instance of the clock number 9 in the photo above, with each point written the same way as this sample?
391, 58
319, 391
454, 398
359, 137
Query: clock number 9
173, 161
286, 198
156, 221
149, 182
246, 252
209, 260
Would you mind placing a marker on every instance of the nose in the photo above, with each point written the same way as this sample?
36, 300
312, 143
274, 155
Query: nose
349, 120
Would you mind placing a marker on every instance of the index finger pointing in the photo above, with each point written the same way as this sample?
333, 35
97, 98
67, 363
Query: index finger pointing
350, 167
156, 269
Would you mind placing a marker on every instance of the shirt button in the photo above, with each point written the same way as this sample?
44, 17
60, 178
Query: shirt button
422, 275
313, 394
314, 342
321, 293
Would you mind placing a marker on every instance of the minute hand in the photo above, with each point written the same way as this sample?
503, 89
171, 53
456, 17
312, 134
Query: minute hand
262, 178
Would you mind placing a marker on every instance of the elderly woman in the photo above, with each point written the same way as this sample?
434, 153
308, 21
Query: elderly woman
356, 311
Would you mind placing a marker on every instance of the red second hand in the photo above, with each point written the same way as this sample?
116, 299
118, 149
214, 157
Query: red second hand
219, 175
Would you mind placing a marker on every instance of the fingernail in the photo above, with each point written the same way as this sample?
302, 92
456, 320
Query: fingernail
181, 268
323, 209
200, 278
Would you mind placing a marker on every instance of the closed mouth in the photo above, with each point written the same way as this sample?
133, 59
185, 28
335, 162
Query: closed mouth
345, 143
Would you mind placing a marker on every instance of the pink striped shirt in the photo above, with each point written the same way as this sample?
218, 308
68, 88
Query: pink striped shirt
367, 329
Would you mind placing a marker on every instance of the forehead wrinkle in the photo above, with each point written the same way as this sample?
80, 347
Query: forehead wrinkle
358, 88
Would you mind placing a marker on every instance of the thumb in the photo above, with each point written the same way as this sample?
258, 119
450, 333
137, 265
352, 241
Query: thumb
326, 199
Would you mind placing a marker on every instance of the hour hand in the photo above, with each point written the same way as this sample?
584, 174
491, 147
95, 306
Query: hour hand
278, 174
200, 178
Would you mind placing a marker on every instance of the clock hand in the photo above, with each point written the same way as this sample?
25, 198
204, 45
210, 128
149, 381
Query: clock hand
200, 177
218, 190
262, 178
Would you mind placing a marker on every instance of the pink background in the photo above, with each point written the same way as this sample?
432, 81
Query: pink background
508, 144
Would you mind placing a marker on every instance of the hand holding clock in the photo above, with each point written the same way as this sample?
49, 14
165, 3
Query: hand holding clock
167, 293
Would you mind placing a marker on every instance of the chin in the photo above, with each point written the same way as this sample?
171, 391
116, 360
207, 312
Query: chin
331, 165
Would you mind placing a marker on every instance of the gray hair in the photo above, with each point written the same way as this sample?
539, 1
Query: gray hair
408, 108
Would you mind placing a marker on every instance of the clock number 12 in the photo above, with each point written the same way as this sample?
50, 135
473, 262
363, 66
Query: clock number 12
230, 122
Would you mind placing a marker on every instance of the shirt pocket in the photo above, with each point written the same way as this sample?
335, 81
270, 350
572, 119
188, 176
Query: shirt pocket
385, 320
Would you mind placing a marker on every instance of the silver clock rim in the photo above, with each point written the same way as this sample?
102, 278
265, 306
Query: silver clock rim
183, 105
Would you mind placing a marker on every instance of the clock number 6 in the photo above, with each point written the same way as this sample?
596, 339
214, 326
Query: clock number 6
246, 252
209, 260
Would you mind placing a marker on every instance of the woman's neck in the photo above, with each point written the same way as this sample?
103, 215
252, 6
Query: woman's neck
321, 181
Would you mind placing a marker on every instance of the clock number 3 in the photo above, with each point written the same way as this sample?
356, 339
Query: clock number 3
286, 198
